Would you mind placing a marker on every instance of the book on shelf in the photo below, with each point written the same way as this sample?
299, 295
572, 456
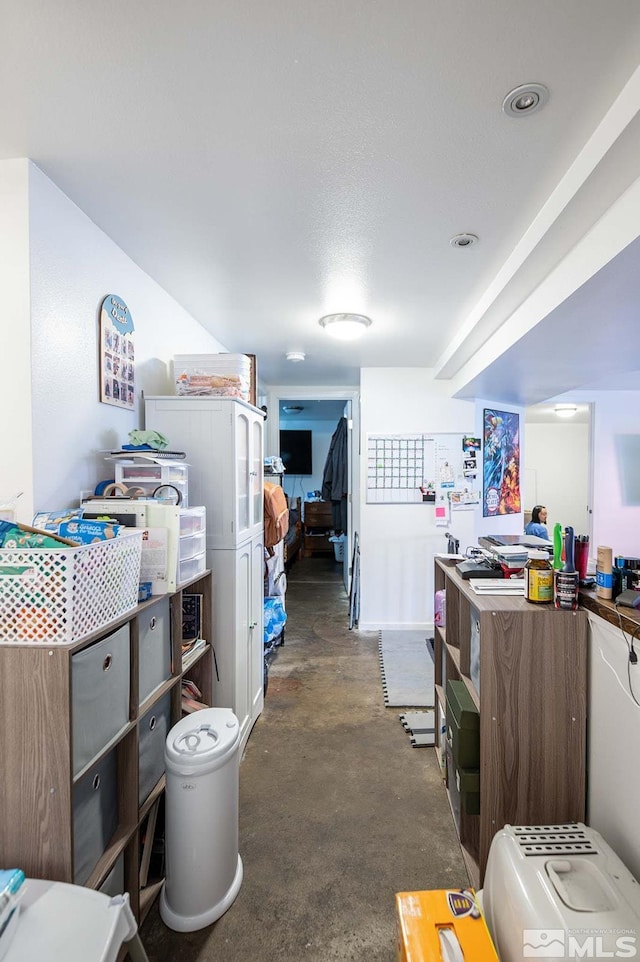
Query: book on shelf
191, 616
190, 689
497, 586
191, 650
190, 705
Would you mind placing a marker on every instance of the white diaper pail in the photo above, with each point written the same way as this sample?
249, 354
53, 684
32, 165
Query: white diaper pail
203, 867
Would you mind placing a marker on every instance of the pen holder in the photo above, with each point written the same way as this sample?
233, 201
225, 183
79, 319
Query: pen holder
581, 550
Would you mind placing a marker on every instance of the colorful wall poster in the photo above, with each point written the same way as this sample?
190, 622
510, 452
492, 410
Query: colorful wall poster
501, 471
117, 353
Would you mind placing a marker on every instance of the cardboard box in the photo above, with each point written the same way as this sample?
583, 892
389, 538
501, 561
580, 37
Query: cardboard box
425, 919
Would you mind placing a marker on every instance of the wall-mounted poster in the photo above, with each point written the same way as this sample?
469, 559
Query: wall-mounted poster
117, 353
501, 489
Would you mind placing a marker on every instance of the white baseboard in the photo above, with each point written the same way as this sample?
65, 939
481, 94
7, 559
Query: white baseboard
404, 626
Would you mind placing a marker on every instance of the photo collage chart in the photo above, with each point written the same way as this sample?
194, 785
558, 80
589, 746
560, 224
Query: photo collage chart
117, 354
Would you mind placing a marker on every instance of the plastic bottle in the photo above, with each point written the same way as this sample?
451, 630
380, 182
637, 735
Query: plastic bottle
538, 577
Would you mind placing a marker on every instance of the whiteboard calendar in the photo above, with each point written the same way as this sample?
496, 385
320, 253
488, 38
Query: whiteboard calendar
438, 469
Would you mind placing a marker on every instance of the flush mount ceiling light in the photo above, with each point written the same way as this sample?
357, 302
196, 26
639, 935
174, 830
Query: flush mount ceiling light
463, 240
292, 408
525, 100
295, 355
565, 410
346, 327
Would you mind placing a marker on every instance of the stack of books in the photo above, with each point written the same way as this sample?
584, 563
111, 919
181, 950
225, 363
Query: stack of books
191, 696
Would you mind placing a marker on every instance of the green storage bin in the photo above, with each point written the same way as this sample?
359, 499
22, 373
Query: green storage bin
468, 786
463, 726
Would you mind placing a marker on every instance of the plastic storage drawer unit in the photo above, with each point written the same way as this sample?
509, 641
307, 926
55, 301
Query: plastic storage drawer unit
191, 567
463, 726
100, 683
193, 520
192, 545
154, 627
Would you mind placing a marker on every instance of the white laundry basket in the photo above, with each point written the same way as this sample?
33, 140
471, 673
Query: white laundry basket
338, 546
204, 869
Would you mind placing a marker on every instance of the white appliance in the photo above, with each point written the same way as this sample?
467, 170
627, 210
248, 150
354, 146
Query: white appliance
559, 892
223, 439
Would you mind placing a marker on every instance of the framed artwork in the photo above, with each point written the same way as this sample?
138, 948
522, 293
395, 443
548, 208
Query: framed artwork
501, 463
117, 353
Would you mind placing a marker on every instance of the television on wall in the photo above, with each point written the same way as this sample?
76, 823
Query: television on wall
295, 451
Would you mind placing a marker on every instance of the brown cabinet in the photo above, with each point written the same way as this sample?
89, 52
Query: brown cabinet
525, 669
82, 729
318, 526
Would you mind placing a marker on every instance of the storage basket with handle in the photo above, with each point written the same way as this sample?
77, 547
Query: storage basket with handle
59, 595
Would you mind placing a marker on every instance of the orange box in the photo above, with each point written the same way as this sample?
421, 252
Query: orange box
426, 920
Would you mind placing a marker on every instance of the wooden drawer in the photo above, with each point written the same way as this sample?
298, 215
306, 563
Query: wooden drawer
318, 514
317, 542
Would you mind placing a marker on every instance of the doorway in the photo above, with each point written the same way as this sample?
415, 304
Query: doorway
323, 407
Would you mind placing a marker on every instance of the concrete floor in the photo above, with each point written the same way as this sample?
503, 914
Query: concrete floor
337, 810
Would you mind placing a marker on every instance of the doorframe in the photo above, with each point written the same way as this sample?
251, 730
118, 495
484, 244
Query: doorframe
277, 393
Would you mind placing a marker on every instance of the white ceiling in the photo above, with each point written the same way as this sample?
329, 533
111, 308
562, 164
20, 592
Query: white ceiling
270, 162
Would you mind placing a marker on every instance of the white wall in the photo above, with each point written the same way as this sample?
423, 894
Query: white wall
398, 541
15, 384
557, 473
74, 265
615, 522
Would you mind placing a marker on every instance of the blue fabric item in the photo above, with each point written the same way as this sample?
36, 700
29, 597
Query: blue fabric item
538, 530
274, 619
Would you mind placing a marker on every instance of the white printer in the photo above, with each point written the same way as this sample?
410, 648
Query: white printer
559, 892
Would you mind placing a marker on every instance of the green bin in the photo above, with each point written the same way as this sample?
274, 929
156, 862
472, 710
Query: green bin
463, 726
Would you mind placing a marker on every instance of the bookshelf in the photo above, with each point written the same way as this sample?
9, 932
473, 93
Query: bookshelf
525, 669
82, 731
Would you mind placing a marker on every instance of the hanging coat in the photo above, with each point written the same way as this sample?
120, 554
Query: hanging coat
335, 479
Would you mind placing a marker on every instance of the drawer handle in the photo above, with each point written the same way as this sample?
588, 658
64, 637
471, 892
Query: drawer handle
106, 664
96, 783
152, 623
152, 723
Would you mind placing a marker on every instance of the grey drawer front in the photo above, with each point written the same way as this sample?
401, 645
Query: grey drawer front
114, 882
95, 816
154, 632
100, 686
153, 729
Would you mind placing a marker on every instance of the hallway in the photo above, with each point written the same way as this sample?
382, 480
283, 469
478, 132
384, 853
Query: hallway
337, 810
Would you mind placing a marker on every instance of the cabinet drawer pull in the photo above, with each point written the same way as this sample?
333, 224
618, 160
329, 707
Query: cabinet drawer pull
96, 783
152, 623
107, 663
152, 723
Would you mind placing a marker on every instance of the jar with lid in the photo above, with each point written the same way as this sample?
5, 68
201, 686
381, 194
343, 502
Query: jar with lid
538, 577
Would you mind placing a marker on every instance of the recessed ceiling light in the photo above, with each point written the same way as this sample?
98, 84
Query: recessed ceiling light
565, 410
346, 327
292, 408
463, 240
525, 100
295, 355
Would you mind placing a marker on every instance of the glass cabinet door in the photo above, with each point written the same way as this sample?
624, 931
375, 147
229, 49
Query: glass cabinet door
243, 505
256, 470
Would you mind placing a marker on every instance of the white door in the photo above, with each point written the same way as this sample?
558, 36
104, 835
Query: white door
256, 629
243, 636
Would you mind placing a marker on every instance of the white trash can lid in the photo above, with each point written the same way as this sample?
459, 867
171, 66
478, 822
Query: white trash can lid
202, 739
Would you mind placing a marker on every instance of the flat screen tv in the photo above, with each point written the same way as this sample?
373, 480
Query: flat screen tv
295, 451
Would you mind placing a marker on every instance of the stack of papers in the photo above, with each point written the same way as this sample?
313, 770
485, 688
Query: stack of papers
497, 586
